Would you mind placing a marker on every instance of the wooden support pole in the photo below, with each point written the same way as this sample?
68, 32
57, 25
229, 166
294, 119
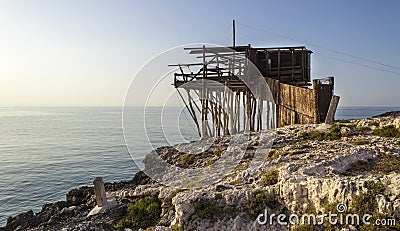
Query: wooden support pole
254, 108
331, 81
279, 64
268, 120
202, 93
250, 107
227, 112
224, 111
260, 110
248, 116
218, 113
244, 112
208, 106
234, 33
223, 107
276, 111
190, 109
238, 111
211, 106
316, 100
221, 112
251, 112
330, 117
215, 111
231, 111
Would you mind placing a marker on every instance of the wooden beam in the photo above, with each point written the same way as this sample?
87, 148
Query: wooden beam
330, 117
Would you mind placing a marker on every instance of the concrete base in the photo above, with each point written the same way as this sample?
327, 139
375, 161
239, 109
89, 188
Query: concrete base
105, 207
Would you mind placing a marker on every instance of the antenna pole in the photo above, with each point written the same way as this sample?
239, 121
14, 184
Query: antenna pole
234, 33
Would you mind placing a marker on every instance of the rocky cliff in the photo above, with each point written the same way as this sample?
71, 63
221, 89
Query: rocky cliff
351, 167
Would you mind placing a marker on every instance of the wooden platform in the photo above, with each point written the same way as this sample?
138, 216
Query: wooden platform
250, 89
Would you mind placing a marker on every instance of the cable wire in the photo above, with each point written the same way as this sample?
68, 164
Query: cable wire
331, 50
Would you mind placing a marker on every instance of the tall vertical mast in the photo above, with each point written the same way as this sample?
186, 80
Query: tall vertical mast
234, 33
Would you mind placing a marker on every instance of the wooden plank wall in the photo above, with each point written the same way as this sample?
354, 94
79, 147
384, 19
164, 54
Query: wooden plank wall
299, 105
296, 106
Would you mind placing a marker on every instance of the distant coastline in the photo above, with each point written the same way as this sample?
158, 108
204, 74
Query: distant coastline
360, 112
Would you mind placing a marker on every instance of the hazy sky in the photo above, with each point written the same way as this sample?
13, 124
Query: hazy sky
85, 52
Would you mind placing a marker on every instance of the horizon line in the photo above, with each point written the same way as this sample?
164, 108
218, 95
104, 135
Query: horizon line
94, 106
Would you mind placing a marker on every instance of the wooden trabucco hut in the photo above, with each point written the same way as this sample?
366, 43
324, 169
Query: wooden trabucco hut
227, 91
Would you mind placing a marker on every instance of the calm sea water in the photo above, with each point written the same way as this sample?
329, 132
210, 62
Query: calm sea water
45, 152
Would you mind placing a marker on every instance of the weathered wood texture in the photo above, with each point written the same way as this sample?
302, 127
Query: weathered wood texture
285, 71
298, 105
330, 117
287, 64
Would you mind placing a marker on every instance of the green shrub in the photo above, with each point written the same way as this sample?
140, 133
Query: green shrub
218, 152
333, 134
260, 200
314, 135
210, 162
207, 209
143, 213
181, 190
284, 153
236, 182
375, 187
187, 159
375, 123
387, 163
344, 121
221, 188
364, 203
361, 142
304, 227
387, 131
364, 129
241, 167
331, 207
218, 196
271, 153
270, 177
361, 166
384, 163
177, 227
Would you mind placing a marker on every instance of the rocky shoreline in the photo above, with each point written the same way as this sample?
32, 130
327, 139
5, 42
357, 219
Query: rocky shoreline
74, 210
309, 169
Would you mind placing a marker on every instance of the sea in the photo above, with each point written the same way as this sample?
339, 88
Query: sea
45, 152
